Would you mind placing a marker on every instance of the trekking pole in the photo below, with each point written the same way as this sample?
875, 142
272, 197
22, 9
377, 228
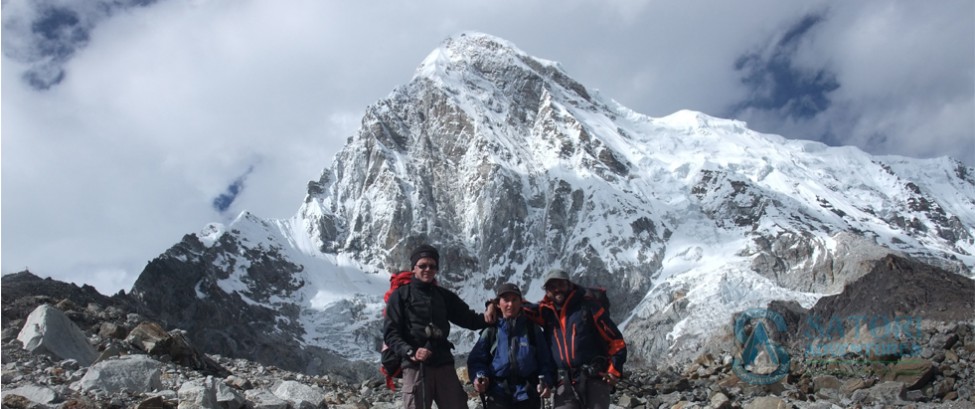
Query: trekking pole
423, 387
432, 332
541, 383
480, 379
423, 381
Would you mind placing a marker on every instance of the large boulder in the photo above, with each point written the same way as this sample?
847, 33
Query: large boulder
49, 331
134, 373
208, 392
301, 396
151, 338
40, 394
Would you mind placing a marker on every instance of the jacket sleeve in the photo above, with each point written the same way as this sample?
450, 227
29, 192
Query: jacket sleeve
533, 312
613, 338
394, 325
479, 360
543, 355
458, 312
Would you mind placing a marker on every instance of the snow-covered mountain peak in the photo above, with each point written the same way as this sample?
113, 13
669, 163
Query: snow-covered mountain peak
518, 168
511, 167
699, 121
478, 50
481, 71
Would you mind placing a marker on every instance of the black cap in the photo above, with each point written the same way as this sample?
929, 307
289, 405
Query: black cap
424, 251
508, 288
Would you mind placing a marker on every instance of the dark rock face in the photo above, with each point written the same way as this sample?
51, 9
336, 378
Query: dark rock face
884, 313
180, 290
898, 287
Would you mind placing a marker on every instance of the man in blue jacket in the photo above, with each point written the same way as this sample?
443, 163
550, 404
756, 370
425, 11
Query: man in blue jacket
511, 363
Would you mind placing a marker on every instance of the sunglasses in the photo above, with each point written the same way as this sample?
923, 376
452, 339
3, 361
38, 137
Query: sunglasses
427, 266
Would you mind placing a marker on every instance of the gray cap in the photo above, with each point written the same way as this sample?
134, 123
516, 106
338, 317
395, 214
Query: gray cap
555, 274
508, 288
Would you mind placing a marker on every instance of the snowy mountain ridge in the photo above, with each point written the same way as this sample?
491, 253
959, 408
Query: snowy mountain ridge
511, 167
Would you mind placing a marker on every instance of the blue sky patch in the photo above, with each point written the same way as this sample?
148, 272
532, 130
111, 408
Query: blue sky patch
222, 202
777, 84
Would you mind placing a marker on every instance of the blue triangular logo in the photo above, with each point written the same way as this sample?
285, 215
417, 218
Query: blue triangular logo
758, 341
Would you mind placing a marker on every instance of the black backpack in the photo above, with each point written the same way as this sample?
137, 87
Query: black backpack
597, 295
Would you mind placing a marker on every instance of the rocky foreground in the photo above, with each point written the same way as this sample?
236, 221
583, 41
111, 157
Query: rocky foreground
58, 353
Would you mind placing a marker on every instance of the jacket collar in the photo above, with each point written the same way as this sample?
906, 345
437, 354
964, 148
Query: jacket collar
422, 285
571, 299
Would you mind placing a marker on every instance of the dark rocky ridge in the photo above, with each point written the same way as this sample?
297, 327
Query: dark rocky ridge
24, 291
902, 287
890, 301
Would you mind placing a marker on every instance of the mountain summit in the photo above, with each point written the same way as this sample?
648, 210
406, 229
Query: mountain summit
511, 167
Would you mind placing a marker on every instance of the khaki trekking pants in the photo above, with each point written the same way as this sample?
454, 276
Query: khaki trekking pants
438, 384
596, 395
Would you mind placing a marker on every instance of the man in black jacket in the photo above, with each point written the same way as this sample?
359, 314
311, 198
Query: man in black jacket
418, 317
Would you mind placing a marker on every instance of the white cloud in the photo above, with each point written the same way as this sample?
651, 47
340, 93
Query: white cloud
168, 104
906, 72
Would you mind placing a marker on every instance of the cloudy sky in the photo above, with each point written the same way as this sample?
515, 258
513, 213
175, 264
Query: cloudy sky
127, 124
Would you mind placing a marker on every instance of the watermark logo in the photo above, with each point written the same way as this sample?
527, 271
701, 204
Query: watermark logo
761, 361
875, 335
844, 345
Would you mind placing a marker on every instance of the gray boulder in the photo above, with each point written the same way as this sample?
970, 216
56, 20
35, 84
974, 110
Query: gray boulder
301, 396
208, 393
173, 345
34, 393
198, 394
134, 373
264, 399
49, 331
886, 393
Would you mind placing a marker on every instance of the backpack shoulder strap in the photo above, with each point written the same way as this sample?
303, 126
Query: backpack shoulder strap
532, 328
490, 336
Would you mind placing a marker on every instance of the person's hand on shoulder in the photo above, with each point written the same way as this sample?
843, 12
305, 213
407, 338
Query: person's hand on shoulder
491, 312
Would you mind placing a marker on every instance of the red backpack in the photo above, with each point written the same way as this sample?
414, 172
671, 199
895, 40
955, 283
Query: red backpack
396, 281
